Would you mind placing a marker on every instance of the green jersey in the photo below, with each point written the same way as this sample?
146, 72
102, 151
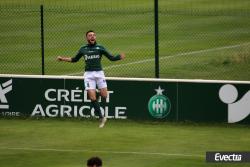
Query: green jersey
92, 54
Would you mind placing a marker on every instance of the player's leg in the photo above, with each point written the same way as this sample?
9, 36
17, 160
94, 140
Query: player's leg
104, 92
92, 94
90, 86
94, 102
102, 86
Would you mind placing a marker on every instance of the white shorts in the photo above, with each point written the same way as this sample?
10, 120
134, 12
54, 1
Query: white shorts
93, 79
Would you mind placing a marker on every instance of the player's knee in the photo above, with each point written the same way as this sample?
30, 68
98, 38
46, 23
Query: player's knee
104, 95
92, 98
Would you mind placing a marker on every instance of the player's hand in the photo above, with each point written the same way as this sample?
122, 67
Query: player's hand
122, 55
59, 58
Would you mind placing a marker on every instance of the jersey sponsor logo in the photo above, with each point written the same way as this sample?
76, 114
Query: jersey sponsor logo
91, 57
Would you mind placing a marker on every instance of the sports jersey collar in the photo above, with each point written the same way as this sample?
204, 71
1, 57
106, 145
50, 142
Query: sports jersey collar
92, 44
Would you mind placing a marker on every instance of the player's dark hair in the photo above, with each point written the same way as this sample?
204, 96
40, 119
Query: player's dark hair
94, 161
89, 32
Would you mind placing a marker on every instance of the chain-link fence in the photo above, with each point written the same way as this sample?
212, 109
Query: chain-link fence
20, 41
205, 39
197, 39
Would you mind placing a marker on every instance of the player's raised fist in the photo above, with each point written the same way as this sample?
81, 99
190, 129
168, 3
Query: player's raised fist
122, 55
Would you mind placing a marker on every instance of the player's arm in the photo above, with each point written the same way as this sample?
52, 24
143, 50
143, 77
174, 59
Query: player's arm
113, 58
66, 59
70, 59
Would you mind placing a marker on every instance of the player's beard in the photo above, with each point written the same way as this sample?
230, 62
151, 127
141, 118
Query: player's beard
92, 42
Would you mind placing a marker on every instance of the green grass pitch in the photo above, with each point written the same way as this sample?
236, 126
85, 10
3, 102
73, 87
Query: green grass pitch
69, 143
198, 39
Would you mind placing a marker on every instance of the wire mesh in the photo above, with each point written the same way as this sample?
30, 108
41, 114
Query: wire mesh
197, 39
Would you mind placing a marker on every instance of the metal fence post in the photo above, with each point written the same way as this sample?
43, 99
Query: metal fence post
156, 39
42, 38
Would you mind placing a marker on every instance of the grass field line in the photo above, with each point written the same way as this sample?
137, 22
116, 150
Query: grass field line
101, 151
171, 56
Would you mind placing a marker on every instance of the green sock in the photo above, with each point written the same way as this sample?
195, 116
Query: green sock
97, 108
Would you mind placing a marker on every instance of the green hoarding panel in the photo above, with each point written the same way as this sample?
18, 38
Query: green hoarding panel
161, 100
27, 95
200, 102
42, 104
136, 95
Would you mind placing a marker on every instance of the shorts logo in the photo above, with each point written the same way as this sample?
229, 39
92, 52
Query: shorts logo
159, 105
87, 85
237, 110
4, 89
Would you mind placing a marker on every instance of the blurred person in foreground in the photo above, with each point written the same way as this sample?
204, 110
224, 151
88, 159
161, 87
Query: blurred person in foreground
94, 162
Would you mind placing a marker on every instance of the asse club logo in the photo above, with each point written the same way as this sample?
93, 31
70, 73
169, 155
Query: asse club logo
159, 105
